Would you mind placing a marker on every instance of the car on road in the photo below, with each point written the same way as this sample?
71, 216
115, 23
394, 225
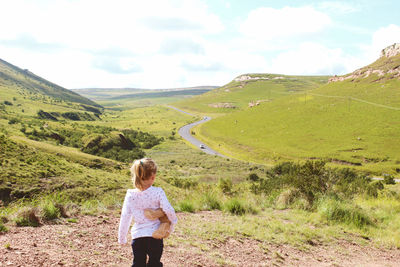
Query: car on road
202, 146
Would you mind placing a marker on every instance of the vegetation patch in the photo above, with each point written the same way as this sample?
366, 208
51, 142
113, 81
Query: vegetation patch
335, 210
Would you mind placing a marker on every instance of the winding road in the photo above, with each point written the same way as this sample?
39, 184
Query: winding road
185, 133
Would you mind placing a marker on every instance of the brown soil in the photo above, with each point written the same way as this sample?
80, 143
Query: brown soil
92, 241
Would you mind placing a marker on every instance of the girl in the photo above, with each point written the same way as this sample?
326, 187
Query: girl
144, 196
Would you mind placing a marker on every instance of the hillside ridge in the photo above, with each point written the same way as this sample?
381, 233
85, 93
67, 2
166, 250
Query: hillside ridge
11, 75
386, 67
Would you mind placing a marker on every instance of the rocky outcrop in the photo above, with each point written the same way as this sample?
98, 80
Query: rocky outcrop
256, 103
222, 105
373, 69
391, 51
243, 78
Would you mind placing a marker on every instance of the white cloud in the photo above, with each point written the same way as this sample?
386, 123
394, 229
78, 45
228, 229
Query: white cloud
337, 7
314, 59
171, 43
385, 36
269, 24
105, 43
380, 39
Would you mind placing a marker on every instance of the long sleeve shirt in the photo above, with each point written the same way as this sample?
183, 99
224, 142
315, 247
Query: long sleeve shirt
135, 203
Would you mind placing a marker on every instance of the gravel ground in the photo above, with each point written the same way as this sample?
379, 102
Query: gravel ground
92, 241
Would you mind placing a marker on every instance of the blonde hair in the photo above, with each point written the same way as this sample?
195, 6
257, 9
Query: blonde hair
142, 170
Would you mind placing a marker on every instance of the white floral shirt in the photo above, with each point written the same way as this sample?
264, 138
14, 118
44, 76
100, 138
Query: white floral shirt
135, 203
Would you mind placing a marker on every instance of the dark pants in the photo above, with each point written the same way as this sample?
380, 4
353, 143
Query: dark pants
144, 246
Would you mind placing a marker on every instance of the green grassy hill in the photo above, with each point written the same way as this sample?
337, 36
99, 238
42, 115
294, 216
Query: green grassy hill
249, 89
54, 140
127, 98
351, 121
25, 82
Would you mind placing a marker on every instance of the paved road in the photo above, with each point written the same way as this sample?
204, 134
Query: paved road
381, 179
185, 133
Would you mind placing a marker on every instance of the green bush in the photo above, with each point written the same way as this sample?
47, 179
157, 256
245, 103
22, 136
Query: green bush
14, 121
312, 180
210, 202
286, 198
388, 179
50, 211
338, 211
373, 188
3, 228
45, 115
186, 206
225, 185
235, 206
253, 177
182, 182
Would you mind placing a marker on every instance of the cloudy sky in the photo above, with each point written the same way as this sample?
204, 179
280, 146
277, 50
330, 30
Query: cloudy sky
179, 43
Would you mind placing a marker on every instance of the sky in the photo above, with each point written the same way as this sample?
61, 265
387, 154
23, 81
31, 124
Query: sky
182, 43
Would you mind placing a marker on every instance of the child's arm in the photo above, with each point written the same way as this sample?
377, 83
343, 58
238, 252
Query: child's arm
168, 210
125, 221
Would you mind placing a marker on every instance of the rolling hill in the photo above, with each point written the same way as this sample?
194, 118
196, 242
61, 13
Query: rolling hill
127, 98
15, 78
350, 121
250, 90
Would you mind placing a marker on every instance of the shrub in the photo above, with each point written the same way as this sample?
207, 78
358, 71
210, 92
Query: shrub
45, 115
225, 185
210, 202
312, 180
286, 198
388, 179
50, 211
186, 206
3, 228
235, 206
253, 177
182, 182
14, 121
335, 210
27, 216
373, 188
6, 102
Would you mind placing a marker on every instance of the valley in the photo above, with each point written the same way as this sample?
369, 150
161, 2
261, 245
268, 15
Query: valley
295, 187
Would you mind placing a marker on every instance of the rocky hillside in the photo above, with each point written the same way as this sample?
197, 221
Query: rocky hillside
385, 68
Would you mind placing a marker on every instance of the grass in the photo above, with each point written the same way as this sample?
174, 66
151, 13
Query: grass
337, 211
50, 181
3, 228
240, 94
235, 206
341, 131
186, 206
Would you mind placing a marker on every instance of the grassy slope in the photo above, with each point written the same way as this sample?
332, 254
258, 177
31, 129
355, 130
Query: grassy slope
26, 83
309, 125
102, 183
125, 98
349, 123
240, 94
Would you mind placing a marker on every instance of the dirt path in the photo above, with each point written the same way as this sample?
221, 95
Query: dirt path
91, 241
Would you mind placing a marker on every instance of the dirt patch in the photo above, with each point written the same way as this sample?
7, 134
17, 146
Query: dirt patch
92, 241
